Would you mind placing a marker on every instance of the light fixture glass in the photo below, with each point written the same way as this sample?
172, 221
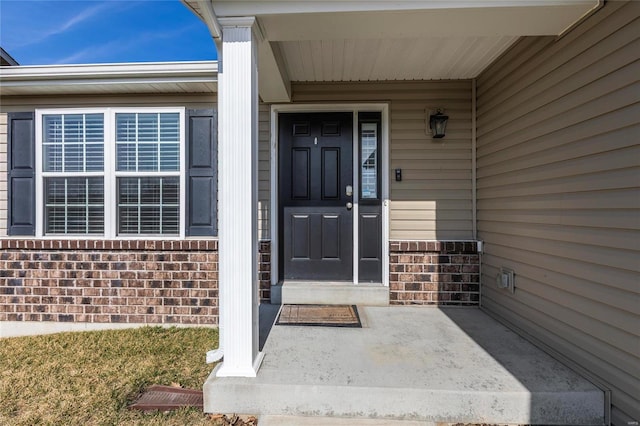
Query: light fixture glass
438, 124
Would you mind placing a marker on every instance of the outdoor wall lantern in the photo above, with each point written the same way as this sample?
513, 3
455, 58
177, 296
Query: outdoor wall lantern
437, 123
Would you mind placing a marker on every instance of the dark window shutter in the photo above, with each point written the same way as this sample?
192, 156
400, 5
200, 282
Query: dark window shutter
202, 176
22, 174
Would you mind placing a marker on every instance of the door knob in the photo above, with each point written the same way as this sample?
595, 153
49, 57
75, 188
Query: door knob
349, 205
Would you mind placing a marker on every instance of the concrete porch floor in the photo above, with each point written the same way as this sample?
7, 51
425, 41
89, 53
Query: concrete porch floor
409, 363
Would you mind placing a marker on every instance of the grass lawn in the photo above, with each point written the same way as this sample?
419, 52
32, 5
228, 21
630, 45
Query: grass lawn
89, 378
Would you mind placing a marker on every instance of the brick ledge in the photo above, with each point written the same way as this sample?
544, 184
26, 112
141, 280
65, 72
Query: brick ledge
95, 244
448, 247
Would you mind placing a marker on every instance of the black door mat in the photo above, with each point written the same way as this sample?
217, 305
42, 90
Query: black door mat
167, 398
320, 315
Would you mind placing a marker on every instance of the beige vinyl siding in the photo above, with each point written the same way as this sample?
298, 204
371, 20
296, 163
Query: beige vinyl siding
31, 103
264, 170
3, 174
558, 194
433, 200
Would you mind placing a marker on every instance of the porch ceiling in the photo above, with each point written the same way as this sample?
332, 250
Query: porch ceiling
414, 58
402, 40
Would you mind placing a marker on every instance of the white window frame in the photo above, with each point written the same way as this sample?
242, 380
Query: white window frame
110, 174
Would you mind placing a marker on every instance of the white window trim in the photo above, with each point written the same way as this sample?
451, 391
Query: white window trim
109, 173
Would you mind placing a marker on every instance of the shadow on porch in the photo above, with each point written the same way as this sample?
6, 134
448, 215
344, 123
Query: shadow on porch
428, 364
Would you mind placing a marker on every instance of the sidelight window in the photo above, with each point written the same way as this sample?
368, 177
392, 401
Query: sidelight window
369, 156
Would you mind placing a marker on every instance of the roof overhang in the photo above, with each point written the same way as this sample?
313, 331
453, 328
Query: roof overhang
389, 40
6, 60
120, 78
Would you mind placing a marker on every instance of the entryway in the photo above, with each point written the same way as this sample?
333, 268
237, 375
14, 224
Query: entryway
330, 192
330, 197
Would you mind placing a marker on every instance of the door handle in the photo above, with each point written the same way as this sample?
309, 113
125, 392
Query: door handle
349, 205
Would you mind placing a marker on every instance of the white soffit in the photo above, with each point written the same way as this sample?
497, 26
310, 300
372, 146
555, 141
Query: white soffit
391, 59
399, 40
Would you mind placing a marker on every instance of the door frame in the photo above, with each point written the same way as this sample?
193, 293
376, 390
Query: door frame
353, 108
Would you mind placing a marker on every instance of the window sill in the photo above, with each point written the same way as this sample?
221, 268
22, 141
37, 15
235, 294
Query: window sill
49, 243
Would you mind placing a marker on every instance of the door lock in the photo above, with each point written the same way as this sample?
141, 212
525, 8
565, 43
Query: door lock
349, 190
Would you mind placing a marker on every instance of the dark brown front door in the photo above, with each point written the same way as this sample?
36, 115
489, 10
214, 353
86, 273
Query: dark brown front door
315, 177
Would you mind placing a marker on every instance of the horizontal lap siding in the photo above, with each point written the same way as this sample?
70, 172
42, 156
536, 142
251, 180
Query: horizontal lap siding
433, 200
558, 176
3, 174
264, 170
29, 103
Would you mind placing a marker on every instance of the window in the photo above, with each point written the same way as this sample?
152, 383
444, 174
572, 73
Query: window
369, 156
110, 172
73, 173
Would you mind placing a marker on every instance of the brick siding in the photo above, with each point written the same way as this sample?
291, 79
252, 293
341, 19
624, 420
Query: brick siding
176, 282
109, 281
434, 273
264, 271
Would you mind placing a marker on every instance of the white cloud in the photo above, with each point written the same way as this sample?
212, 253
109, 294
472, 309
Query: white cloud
39, 34
114, 47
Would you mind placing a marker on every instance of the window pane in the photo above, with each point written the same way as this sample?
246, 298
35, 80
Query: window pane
73, 158
169, 157
52, 128
150, 220
126, 128
126, 155
148, 205
73, 142
169, 127
74, 205
148, 157
170, 192
128, 191
73, 128
148, 142
94, 158
170, 219
150, 191
147, 127
369, 160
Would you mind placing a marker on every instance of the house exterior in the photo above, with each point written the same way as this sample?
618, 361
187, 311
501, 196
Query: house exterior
100, 278
301, 169
5, 59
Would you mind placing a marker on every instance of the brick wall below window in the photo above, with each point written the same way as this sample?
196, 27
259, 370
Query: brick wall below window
109, 281
176, 282
434, 273
264, 271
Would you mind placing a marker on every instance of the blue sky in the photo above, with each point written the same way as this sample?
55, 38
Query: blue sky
80, 31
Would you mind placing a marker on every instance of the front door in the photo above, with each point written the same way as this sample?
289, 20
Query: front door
316, 196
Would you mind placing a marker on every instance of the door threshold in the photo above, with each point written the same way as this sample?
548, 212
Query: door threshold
325, 283
333, 293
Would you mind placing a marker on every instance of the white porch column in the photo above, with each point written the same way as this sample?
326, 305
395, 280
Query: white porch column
238, 198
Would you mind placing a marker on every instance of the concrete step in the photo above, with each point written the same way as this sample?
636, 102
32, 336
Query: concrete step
385, 404
418, 364
337, 421
334, 293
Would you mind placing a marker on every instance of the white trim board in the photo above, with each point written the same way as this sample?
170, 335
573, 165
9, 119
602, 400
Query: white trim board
354, 108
